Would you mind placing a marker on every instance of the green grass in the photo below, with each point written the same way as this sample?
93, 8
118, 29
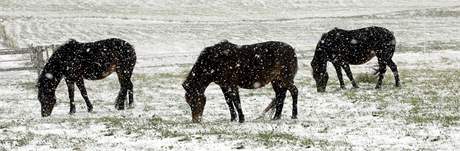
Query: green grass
366, 78
433, 96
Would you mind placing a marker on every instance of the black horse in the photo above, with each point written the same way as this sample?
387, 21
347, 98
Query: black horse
247, 66
76, 61
345, 47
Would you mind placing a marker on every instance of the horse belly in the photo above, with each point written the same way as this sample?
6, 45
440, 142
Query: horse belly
253, 84
361, 57
97, 71
259, 78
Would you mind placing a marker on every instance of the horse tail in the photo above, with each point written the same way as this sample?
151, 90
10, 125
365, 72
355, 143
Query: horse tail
129, 51
127, 46
291, 58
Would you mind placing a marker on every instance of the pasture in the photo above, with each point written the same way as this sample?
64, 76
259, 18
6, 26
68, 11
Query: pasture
168, 36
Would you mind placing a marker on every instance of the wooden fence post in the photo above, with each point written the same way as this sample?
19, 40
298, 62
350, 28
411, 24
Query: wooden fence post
37, 58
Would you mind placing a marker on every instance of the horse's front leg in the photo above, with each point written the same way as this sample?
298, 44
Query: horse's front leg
235, 98
84, 94
228, 99
338, 69
71, 89
346, 67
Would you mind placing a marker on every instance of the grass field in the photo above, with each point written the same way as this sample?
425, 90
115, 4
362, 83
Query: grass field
421, 115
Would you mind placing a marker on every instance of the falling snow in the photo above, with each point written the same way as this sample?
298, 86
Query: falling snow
168, 36
49, 75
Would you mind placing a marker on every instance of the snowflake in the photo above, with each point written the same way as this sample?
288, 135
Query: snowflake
257, 85
354, 41
49, 75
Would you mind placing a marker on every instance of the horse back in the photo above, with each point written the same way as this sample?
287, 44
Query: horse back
262, 63
99, 59
360, 45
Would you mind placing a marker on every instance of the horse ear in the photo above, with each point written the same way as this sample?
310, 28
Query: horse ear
224, 41
72, 41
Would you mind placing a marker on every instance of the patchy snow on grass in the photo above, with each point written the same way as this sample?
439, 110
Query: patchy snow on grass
168, 36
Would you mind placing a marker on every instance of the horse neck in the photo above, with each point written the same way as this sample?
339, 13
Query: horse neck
197, 81
320, 56
51, 75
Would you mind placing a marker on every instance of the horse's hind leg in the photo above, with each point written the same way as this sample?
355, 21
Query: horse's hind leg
130, 94
71, 89
126, 87
228, 98
346, 67
294, 93
382, 70
394, 69
280, 92
84, 94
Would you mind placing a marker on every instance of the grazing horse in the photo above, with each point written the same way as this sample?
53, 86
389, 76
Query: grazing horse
345, 47
246, 66
75, 61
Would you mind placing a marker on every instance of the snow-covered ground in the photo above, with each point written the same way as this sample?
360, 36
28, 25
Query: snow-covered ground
168, 36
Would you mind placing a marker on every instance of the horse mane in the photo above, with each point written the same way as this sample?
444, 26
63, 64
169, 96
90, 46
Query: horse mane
224, 43
54, 60
206, 59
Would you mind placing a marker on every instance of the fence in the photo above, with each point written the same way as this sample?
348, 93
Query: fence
37, 57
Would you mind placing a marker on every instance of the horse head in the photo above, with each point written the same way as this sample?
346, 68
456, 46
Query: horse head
195, 99
320, 75
47, 83
319, 62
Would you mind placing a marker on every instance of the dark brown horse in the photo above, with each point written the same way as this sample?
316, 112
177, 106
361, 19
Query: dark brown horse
345, 47
76, 61
247, 66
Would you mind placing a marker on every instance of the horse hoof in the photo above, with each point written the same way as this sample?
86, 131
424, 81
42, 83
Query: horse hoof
72, 112
120, 107
276, 118
293, 117
90, 109
241, 121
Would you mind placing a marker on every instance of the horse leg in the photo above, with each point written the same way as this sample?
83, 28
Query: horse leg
382, 70
121, 98
228, 99
71, 89
294, 93
124, 73
84, 94
280, 92
394, 69
346, 67
338, 69
124, 78
131, 94
235, 98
